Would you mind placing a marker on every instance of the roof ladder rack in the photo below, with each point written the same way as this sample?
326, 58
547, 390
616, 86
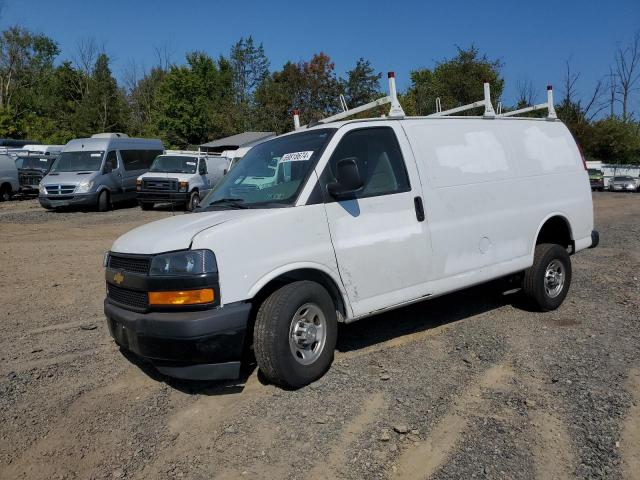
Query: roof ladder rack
548, 105
485, 102
394, 112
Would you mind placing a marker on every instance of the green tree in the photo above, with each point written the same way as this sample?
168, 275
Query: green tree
26, 62
613, 140
193, 101
250, 67
362, 84
456, 81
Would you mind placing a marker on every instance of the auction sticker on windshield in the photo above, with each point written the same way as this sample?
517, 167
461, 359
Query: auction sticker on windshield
296, 156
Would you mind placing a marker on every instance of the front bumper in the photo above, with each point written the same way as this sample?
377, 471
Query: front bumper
159, 196
623, 188
53, 201
194, 345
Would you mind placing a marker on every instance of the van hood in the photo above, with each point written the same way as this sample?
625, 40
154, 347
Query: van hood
69, 178
178, 176
174, 233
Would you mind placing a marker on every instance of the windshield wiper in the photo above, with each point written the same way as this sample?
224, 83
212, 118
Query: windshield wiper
226, 202
83, 173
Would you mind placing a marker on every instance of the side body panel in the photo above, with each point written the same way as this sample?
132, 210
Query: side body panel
9, 172
257, 246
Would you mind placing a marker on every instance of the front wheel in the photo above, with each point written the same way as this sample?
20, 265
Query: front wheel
194, 201
295, 334
146, 205
5, 194
103, 201
546, 283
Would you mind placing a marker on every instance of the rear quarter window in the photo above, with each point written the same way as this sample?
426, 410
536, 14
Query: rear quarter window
138, 159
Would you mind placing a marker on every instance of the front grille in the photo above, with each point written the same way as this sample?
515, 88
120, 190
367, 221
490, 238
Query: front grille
130, 298
60, 189
139, 264
31, 179
160, 184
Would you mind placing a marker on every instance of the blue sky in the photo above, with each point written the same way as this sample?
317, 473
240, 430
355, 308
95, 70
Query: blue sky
533, 39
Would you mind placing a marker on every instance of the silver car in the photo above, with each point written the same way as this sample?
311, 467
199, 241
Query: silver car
623, 183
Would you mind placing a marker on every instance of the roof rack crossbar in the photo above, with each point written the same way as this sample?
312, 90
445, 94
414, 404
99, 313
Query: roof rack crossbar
548, 105
395, 111
485, 102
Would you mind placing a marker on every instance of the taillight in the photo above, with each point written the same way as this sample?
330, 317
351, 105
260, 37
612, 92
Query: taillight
584, 160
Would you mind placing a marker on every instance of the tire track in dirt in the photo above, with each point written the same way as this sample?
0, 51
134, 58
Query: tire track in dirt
197, 426
422, 459
71, 436
349, 435
630, 442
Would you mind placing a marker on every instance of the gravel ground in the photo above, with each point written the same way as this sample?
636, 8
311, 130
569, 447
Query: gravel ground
472, 385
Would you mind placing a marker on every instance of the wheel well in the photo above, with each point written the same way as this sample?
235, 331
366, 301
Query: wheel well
556, 230
5, 186
303, 274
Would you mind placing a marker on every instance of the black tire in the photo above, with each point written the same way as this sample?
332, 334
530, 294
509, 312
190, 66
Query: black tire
146, 205
535, 284
194, 201
103, 201
272, 330
5, 193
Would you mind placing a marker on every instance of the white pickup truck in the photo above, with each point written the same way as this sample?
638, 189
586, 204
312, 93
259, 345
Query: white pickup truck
364, 216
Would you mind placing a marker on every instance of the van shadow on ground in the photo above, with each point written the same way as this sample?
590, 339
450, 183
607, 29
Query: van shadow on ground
415, 318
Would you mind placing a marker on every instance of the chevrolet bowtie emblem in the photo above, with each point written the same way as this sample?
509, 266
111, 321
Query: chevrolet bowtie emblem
118, 278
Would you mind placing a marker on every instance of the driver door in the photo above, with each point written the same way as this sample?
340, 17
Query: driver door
112, 175
381, 241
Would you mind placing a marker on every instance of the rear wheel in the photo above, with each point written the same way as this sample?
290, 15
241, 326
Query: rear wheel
103, 201
295, 334
194, 201
146, 205
546, 283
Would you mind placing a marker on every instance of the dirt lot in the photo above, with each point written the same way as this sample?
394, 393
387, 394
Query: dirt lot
466, 386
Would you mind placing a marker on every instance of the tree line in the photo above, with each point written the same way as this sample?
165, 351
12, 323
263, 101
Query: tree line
185, 104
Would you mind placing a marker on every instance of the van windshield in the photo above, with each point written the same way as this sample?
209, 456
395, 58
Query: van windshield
271, 173
34, 163
174, 164
86, 161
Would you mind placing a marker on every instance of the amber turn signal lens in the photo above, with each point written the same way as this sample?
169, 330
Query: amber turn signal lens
182, 297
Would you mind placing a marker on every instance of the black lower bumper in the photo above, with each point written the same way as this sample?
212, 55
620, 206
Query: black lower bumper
175, 197
196, 345
54, 201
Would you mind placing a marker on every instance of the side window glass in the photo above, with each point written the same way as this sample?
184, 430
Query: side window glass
203, 166
111, 162
379, 160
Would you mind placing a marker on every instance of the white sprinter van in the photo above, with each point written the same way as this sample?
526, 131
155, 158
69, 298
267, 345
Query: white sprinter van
365, 216
98, 171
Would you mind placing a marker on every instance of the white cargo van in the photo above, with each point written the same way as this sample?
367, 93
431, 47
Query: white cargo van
180, 177
364, 216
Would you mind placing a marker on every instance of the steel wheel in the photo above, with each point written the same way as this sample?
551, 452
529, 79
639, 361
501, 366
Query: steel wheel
307, 334
554, 278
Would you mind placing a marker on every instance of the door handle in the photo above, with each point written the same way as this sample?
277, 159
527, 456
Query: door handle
417, 202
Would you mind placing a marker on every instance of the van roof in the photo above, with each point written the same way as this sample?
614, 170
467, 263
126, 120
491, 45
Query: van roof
101, 144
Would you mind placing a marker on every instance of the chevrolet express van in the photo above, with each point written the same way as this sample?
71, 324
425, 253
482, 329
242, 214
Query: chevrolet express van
180, 177
364, 216
97, 171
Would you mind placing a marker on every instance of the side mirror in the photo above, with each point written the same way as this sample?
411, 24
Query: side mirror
348, 181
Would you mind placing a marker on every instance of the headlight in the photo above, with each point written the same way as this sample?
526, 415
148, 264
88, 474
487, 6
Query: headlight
184, 186
84, 186
105, 260
188, 262
41, 189
138, 184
